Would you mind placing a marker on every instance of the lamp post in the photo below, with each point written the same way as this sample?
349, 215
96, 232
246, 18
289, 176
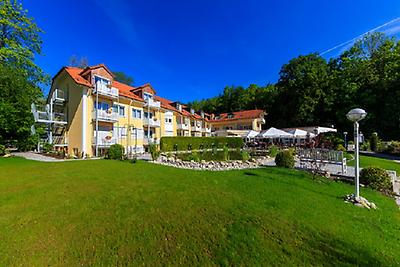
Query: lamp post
356, 115
345, 139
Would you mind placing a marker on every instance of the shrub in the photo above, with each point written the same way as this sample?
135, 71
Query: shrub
374, 142
47, 147
133, 160
182, 143
340, 147
393, 147
154, 152
116, 152
2, 150
245, 155
226, 153
194, 156
273, 151
376, 178
365, 146
284, 159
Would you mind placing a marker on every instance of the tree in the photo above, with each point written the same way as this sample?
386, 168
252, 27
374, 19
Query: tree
20, 40
19, 76
123, 78
15, 107
81, 62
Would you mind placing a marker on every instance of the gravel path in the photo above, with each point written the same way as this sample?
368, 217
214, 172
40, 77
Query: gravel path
35, 156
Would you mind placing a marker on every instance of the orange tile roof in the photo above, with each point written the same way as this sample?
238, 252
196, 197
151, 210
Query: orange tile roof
245, 114
126, 90
75, 75
167, 104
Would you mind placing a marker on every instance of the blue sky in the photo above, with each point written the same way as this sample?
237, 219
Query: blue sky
192, 49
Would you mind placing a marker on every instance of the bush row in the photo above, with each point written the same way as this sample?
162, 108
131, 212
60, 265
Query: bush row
183, 143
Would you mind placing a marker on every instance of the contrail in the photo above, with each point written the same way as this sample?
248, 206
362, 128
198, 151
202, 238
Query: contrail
358, 37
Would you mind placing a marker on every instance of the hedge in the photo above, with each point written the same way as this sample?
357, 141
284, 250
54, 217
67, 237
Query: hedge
183, 143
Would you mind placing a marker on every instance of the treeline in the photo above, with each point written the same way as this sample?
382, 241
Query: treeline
314, 91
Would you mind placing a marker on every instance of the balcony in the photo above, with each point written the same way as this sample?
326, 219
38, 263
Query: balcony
106, 139
60, 141
147, 141
206, 130
105, 115
195, 128
150, 102
59, 96
42, 116
151, 122
182, 126
106, 90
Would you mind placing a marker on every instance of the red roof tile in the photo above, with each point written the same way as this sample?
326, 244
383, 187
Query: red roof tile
245, 114
75, 75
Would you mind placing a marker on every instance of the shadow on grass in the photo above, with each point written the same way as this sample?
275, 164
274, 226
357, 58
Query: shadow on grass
247, 173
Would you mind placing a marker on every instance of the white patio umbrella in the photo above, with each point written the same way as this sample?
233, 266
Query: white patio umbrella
298, 133
274, 133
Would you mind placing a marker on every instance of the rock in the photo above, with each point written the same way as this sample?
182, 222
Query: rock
7, 156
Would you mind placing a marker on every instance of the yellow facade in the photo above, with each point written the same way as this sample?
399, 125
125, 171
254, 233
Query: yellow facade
120, 118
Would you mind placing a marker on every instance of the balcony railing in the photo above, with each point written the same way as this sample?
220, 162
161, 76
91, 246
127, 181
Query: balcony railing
105, 115
105, 138
152, 103
42, 116
182, 126
106, 90
206, 130
195, 128
151, 122
60, 141
147, 141
59, 96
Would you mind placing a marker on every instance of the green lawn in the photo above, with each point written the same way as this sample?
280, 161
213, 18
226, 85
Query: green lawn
111, 213
366, 161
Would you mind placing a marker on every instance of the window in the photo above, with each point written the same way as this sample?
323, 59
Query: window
168, 120
148, 115
101, 80
136, 113
147, 96
115, 108
146, 133
103, 106
120, 132
122, 111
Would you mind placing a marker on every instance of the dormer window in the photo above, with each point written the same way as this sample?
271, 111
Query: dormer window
230, 116
101, 80
147, 96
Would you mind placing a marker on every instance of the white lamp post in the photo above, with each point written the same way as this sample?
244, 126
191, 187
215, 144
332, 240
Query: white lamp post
355, 115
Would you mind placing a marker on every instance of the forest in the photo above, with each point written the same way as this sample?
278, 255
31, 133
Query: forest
312, 90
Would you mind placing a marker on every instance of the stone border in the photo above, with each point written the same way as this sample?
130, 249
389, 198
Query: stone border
212, 165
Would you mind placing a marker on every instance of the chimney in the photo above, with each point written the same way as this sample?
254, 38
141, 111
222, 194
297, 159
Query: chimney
192, 111
202, 114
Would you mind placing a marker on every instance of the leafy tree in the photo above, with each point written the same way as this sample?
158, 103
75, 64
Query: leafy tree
81, 62
123, 78
15, 107
20, 40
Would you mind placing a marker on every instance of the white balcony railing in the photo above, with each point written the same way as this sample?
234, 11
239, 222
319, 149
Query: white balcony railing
106, 90
59, 96
42, 116
60, 140
206, 130
105, 138
151, 122
182, 126
152, 103
195, 128
147, 141
104, 115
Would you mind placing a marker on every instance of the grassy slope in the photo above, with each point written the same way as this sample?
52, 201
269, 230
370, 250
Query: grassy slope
115, 213
366, 161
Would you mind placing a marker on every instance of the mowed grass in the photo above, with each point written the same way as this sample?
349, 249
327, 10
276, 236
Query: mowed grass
111, 213
367, 161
